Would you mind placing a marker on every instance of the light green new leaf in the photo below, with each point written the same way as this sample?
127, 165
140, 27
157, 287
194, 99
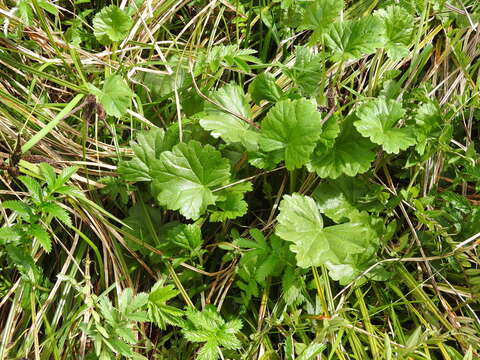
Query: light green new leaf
398, 24
111, 24
377, 120
264, 87
115, 96
354, 38
350, 154
41, 235
300, 222
150, 144
185, 177
294, 128
225, 125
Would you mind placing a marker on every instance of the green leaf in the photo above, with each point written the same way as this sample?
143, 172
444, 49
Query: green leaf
226, 55
41, 235
342, 198
186, 236
300, 222
157, 86
294, 128
233, 205
350, 154
10, 234
63, 177
34, 188
185, 177
57, 211
159, 311
115, 96
398, 24
377, 120
111, 24
141, 219
264, 87
307, 70
319, 16
22, 209
427, 120
225, 125
48, 173
45, 5
150, 144
354, 38
209, 327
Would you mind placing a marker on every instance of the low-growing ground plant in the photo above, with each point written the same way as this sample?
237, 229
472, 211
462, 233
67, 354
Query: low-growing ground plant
283, 179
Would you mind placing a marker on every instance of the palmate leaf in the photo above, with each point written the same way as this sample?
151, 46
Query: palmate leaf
231, 204
341, 198
115, 96
398, 24
300, 222
348, 154
183, 179
225, 125
378, 119
111, 24
292, 127
307, 70
319, 15
264, 87
150, 144
354, 38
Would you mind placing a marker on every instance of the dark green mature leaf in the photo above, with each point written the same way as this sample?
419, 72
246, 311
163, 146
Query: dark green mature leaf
185, 177
150, 144
293, 127
398, 24
264, 87
229, 127
307, 70
300, 222
354, 38
348, 154
143, 221
111, 24
378, 119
